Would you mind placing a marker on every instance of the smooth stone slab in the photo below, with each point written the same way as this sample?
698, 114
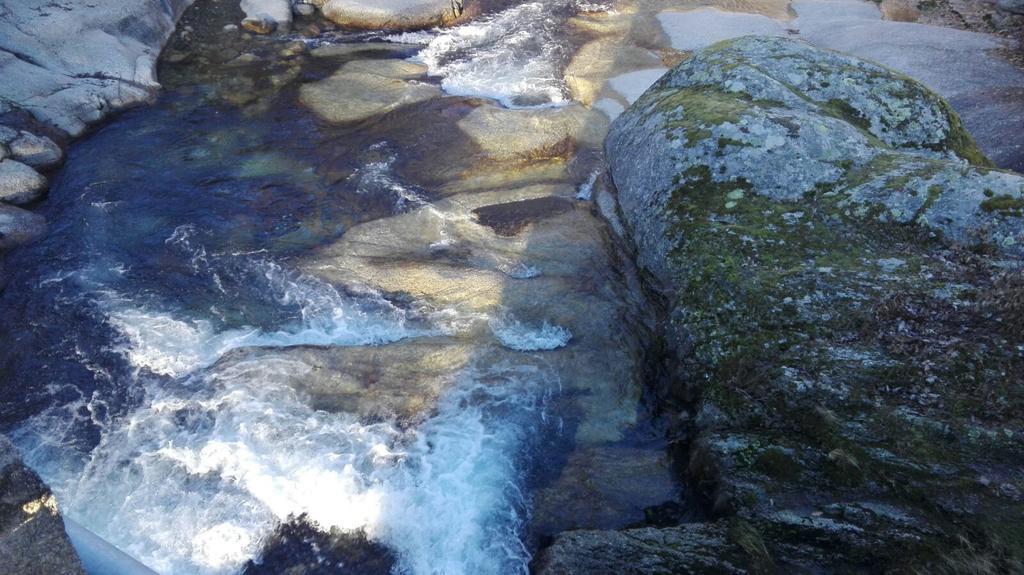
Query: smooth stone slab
361, 90
70, 65
632, 85
699, 28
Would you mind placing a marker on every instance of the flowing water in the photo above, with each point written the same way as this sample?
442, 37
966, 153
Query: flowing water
195, 356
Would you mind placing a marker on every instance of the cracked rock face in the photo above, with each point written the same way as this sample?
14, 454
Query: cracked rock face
843, 272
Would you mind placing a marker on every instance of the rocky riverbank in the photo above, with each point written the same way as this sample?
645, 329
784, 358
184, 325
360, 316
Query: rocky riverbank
842, 272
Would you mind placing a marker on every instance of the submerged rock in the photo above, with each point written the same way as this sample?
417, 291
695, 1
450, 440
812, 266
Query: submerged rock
32, 537
402, 379
840, 266
509, 135
19, 184
363, 89
397, 14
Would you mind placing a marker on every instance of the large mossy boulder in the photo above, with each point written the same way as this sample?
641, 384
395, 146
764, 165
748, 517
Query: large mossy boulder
842, 270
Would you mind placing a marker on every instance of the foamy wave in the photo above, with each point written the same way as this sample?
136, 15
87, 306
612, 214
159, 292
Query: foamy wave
516, 335
515, 56
195, 481
378, 178
162, 344
168, 346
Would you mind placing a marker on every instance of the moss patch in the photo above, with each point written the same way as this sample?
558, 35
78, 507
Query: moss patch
1004, 204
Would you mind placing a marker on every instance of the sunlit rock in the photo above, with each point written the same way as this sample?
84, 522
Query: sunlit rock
77, 64
507, 135
397, 14
39, 152
442, 255
597, 61
19, 184
363, 89
266, 16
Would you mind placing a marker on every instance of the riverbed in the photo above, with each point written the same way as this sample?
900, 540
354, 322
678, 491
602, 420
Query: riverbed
260, 307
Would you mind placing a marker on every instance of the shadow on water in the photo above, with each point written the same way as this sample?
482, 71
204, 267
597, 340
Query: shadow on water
213, 204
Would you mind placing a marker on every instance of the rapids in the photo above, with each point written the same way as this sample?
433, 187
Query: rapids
244, 316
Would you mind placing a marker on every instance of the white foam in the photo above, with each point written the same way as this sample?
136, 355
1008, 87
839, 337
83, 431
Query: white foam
378, 178
195, 480
519, 336
164, 345
585, 191
519, 270
515, 56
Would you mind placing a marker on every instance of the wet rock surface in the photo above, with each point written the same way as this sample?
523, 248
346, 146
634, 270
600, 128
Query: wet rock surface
844, 352
364, 89
39, 152
32, 537
397, 14
696, 548
475, 215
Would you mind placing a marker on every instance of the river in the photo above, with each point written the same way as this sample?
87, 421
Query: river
407, 325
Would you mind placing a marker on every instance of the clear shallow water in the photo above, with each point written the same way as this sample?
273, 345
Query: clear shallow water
174, 235
149, 278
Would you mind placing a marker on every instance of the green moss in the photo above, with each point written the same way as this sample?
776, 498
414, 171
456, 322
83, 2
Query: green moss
745, 536
844, 111
775, 463
697, 110
1004, 204
959, 139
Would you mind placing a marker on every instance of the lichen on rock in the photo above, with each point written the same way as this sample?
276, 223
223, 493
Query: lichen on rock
837, 258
